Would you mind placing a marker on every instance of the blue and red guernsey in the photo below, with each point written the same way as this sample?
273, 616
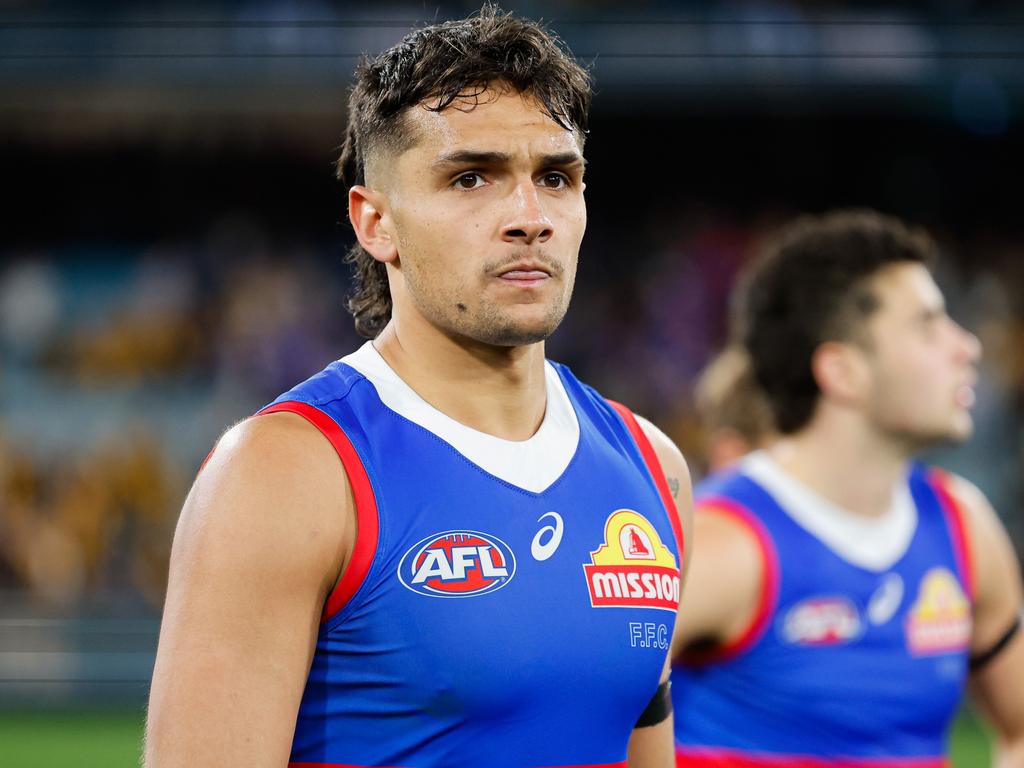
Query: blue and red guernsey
844, 665
481, 623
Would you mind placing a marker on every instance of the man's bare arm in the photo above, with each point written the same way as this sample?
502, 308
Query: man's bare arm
653, 746
261, 541
998, 685
724, 585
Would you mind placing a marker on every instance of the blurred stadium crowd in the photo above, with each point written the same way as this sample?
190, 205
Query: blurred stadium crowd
120, 367
170, 258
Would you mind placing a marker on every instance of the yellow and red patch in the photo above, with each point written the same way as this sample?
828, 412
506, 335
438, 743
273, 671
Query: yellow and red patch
632, 568
939, 621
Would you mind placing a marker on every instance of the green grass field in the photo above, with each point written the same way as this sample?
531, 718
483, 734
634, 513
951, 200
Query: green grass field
113, 740
70, 739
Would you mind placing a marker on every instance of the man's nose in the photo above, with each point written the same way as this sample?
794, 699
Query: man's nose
527, 221
970, 344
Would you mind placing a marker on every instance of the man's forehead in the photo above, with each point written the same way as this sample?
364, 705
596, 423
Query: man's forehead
908, 286
509, 122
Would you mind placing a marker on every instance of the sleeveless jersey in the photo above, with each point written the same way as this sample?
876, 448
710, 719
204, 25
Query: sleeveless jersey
844, 665
480, 623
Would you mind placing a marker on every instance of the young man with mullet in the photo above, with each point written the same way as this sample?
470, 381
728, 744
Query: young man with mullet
442, 550
843, 594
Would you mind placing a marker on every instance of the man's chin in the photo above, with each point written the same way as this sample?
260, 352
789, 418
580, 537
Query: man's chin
963, 430
511, 331
954, 434
514, 335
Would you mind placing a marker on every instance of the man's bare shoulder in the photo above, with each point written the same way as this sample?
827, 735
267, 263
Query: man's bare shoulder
983, 527
677, 477
264, 528
970, 498
286, 445
273, 485
671, 458
996, 571
726, 579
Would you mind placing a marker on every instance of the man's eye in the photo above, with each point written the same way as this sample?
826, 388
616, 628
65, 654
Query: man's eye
470, 180
554, 181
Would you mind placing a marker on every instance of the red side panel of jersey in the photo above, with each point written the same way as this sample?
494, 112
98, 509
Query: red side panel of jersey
941, 482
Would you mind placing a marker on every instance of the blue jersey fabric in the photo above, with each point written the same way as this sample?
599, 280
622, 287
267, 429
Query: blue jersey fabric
850, 663
461, 647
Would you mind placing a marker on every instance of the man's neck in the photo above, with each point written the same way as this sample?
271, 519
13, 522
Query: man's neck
848, 463
497, 390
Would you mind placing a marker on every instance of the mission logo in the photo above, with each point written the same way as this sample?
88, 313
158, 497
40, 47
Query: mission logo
457, 564
940, 619
632, 568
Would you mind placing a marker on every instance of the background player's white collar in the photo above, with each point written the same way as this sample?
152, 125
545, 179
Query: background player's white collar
874, 543
531, 464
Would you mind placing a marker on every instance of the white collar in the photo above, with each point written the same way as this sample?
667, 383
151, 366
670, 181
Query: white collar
532, 464
874, 543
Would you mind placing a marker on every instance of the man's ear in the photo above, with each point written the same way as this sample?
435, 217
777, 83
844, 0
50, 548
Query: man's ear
841, 371
367, 210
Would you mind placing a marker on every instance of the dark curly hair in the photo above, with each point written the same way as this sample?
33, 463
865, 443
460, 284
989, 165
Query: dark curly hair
433, 66
811, 284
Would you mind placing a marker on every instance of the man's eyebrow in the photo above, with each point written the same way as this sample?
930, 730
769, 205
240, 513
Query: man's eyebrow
563, 159
474, 157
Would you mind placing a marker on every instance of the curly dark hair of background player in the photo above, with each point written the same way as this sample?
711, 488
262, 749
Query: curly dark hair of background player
434, 66
812, 284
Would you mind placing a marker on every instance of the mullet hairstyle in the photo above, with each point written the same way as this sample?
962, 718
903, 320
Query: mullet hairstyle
432, 67
812, 284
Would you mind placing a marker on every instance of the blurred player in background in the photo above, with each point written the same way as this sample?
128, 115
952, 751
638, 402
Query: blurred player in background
481, 563
843, 594
734, 416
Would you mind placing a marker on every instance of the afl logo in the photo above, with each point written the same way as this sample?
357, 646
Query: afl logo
457, 564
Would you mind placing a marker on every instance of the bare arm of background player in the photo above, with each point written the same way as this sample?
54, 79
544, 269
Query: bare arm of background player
723, 587
259, 545
998, 686
653, 747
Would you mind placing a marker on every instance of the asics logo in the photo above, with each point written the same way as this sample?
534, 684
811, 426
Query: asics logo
886, 600
542, 550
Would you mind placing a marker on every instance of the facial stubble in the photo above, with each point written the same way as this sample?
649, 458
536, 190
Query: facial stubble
465, 309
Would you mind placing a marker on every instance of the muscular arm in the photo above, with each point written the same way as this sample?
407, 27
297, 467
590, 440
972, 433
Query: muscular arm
261, 540
719, 601
652, 747
998, 685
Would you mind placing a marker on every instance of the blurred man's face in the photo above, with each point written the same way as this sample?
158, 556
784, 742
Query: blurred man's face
922, 363
488, 216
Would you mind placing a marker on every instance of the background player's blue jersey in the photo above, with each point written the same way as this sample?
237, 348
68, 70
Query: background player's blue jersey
480, 623
845, 664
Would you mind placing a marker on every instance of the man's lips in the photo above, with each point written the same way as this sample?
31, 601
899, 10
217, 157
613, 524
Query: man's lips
965, 396
524, 275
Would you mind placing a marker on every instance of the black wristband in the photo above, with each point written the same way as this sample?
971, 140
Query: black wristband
659, 708
983, 658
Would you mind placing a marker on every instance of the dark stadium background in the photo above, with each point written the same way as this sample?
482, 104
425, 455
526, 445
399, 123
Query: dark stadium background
170, 258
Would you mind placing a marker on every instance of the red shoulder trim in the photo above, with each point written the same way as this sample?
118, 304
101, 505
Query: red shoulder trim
657, 473
941, 483
366, 504
769, 597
